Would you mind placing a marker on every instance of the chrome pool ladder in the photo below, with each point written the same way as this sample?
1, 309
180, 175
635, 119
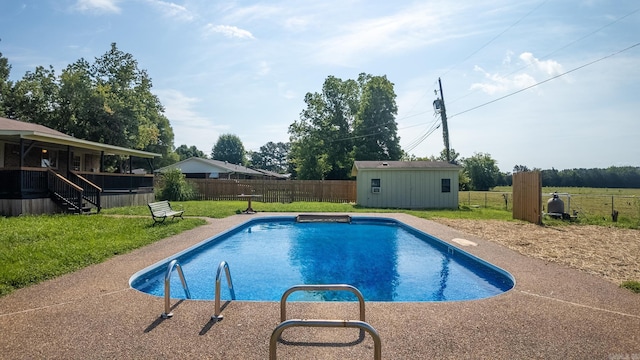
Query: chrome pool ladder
223, 265
174, 264
360, 324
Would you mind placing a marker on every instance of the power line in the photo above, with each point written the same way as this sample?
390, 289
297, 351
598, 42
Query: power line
495, 37
547, 80
560, 48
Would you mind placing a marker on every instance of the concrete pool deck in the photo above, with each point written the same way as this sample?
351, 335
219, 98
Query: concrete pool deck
553, 312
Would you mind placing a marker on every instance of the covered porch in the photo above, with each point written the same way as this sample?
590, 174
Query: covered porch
46, 171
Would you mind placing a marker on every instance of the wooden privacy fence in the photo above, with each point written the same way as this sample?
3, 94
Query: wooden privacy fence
284, 191
527, 196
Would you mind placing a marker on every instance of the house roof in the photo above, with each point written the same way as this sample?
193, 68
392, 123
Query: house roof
209, 165
36, 132
402, 165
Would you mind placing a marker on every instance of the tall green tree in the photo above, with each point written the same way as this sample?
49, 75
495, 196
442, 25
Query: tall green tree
334, 127
375, 129
271, 156
321, 141
229, 148
109, 101
185, 152
5, 84
34, 98
482, 170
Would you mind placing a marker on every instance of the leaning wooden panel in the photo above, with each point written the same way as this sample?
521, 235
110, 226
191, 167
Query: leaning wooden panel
527, 196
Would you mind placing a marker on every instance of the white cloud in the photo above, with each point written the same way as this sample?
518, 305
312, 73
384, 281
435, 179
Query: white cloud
548, 67
499, 84
251, 13
296, 23
410, 29
98, 6
228, 31
189, 127
263, 68
172, 10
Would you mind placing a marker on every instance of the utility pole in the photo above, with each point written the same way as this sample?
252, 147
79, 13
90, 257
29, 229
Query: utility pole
439, 107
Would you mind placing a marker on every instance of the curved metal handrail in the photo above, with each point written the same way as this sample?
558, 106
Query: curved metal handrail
167, 287
327, 287
225, 266
377, 343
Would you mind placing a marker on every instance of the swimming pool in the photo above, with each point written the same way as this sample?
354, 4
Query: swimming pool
384, 258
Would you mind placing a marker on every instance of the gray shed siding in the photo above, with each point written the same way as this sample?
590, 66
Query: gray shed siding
408, 188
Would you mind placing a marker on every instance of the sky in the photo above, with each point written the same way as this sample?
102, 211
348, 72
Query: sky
540, 83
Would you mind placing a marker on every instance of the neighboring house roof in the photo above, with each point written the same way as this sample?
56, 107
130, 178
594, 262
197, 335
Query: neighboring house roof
201, 165
402, 165
273, 174
36, 132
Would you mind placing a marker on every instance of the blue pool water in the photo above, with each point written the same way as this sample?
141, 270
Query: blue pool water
385, 259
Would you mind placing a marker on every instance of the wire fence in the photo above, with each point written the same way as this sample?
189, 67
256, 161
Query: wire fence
580, 205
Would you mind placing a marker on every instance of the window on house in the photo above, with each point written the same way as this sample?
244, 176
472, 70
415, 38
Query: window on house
76, 162
446, 185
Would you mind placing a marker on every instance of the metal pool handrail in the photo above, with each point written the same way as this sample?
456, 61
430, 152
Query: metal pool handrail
223, 265
377, 343
167, 287
327, 287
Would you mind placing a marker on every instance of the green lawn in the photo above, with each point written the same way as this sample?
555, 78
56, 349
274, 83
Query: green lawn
37, 248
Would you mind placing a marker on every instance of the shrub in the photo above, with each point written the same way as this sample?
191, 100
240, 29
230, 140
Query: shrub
175, 187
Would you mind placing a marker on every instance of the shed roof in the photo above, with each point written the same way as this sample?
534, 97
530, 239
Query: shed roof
37, 132
402, 165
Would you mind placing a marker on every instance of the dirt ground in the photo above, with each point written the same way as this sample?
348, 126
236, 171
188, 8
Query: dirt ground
605, 251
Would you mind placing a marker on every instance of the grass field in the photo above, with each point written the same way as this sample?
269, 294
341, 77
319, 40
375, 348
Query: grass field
592, 205
37, 248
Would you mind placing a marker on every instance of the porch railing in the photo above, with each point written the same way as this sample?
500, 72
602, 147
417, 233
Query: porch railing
65, 190
90, 191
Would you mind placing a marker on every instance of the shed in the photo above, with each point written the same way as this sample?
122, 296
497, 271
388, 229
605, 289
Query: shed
406, 184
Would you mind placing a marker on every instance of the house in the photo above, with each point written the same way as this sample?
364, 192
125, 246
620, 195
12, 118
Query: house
201, 168
46, 171
406, 184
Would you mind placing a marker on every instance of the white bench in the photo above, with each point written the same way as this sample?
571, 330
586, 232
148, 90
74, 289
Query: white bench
161, 210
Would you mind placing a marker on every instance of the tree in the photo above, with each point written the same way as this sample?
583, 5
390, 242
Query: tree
34, 98
5, 84
520, 168
272, 156
375, 128
453, 156
347, 119
109, 101
229, 148
321, 143
482, 170
185, 152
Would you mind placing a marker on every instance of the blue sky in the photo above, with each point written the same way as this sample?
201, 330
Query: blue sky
243, 67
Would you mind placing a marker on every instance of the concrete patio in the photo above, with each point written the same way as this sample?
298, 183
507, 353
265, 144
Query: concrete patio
553, 313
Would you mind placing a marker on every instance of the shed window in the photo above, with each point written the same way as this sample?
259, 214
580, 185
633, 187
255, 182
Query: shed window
375, 186
446, 185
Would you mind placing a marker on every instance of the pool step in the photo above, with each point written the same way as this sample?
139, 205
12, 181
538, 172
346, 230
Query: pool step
305, 218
